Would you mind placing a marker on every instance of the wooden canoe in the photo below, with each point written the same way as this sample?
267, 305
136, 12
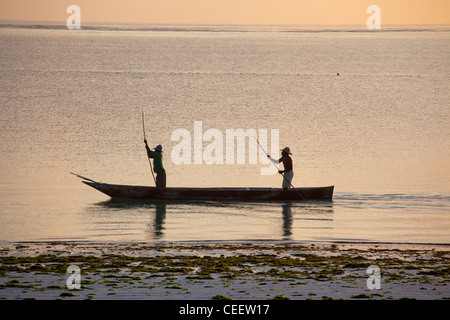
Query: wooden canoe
212, 194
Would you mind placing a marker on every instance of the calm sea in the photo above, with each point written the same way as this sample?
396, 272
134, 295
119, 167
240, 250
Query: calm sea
367, 112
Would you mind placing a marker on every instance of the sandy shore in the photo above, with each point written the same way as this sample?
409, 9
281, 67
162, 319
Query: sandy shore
225, 270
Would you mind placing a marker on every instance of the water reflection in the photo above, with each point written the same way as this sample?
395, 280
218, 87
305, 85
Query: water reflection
296, 218
158, 225
305, 215
159, 207
287, 221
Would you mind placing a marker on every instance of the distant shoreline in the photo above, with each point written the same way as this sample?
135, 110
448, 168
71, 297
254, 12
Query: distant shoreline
60, 25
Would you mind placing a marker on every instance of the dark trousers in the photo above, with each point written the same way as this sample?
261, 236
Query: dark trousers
161, 179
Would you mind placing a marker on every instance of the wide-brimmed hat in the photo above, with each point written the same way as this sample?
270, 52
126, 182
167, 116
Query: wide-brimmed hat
159, 148
287, 150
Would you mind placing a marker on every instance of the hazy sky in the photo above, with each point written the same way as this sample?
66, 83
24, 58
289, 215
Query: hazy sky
294, 12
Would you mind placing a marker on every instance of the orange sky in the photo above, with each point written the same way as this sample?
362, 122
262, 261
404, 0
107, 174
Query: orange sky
290, 12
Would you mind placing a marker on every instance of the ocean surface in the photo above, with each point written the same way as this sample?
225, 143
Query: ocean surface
367, 112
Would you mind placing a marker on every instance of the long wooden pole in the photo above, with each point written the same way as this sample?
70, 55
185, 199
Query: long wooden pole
149, 161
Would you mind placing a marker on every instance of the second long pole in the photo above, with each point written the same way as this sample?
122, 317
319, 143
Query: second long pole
149, 161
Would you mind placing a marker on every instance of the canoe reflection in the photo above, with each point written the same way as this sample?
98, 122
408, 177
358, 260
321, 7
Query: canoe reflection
304, 214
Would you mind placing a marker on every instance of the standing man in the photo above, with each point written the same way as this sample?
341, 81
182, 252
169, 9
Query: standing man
287, 164
157, 164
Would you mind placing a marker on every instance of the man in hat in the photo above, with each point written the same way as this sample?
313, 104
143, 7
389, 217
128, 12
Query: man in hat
287, 164
157, 164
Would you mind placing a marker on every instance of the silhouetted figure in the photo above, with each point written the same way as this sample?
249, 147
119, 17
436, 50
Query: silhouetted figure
157, 164
287, 164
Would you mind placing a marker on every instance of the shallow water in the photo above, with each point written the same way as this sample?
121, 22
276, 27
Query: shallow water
71, 101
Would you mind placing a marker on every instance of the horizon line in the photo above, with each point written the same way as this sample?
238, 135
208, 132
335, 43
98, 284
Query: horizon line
226, 24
